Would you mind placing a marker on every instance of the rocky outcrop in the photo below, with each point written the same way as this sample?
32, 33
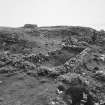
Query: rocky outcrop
32, 26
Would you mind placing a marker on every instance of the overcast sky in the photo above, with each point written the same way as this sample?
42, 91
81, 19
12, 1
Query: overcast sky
90, 13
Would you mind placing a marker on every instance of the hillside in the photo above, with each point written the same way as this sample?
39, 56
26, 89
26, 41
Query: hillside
35, 60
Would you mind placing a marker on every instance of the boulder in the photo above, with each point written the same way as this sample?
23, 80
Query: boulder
100, 75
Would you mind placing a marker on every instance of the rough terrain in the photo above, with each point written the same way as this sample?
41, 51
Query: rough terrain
35, 60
